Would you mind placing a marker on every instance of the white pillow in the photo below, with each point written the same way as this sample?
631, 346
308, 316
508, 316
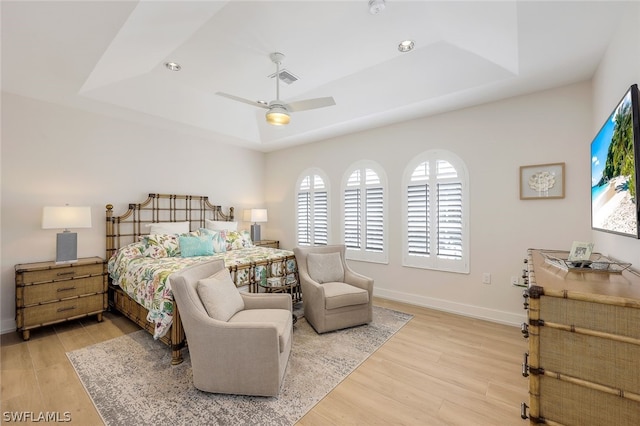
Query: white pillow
219, 295
168, 228
325, 267
220, 225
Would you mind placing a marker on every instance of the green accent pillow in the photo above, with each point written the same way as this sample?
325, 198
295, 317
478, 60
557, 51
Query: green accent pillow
191, 246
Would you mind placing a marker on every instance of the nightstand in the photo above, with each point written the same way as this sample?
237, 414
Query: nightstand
47, 293
267, 243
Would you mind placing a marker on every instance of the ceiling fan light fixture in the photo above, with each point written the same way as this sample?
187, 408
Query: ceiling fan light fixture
278, 116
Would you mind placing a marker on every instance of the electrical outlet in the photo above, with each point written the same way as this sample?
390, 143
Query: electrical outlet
486, 278
515, 280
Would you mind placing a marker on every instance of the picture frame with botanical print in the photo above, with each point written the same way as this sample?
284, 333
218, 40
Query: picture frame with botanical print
542, 181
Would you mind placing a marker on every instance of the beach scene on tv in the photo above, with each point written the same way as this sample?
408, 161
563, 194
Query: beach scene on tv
613, 189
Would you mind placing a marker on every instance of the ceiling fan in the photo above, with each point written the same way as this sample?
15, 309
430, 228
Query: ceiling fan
277, 110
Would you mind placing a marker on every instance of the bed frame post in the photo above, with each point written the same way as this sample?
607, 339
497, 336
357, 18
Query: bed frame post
177, 337
110, 246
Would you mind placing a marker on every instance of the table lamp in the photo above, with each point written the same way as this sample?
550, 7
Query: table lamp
64, 218
255, 216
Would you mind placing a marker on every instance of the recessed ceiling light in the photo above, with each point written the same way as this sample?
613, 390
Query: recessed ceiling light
406, 46
376, 6
173, 66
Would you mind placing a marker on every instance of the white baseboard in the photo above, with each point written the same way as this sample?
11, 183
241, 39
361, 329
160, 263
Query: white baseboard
8, 326
493, 315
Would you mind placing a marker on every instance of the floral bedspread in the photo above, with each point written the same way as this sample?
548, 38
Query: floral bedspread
144, 277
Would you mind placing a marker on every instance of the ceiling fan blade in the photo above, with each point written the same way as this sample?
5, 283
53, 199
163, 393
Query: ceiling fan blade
306, 104
243, 100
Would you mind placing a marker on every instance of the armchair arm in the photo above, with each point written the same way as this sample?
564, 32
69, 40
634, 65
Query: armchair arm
267, 301
358, 280
313, 289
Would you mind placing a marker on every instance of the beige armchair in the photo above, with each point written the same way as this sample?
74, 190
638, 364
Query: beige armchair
333, 295
239, 343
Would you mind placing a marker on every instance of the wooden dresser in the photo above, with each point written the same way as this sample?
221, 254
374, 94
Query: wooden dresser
267, 243
583, 362
47, 293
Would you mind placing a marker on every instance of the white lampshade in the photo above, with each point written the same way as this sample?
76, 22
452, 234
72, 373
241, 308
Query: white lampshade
66, 217
258, 215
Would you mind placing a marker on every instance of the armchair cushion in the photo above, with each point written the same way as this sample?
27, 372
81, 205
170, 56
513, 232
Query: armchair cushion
338, 295
325, 267
219, 295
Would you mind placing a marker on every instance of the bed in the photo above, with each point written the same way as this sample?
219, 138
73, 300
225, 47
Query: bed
140, 259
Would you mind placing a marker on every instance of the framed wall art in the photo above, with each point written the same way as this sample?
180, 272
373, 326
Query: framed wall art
542, 181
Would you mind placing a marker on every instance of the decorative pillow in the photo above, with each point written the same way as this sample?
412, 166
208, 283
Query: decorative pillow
168, 228
191, 246
238, 240
169, 242
325, 267
219, 239
220, 297
220, 225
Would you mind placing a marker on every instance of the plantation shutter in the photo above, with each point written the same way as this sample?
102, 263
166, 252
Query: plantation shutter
352, 212
364, 211
312, 212
449, 212
418, 220
374, 220
418, 216
320, 218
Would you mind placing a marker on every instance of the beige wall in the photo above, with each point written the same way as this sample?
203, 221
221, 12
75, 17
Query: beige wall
53, 155
493, 140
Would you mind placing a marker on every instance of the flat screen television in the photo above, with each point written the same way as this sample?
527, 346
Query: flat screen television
615, 156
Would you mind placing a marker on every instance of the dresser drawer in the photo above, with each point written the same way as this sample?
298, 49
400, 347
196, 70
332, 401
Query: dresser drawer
57, 274
572, 404
47, 292
591, 358
602, 317
60, 311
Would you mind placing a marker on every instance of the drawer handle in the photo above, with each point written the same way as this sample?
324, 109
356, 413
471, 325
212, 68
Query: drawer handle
525, 365
66, 288
60, 274
524, 328
523, 411
70, 308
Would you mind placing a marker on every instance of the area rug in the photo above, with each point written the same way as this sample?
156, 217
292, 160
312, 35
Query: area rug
131, 380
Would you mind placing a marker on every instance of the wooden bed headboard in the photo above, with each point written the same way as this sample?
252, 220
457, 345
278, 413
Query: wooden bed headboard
126, 228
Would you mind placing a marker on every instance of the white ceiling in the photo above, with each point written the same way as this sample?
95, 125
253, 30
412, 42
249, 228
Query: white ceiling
108, 57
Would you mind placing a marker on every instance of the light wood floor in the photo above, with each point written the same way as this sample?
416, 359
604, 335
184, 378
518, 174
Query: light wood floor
439, 369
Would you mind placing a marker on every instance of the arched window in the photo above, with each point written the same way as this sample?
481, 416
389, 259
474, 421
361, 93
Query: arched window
436, 211
364, 229
312, 209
